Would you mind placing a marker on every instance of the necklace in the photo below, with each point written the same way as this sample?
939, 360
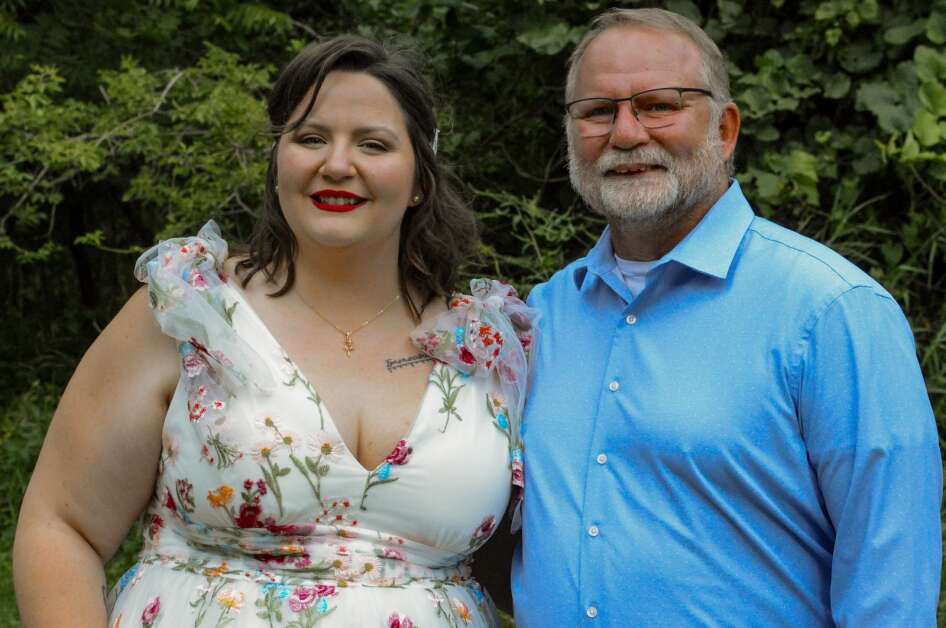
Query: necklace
349, 345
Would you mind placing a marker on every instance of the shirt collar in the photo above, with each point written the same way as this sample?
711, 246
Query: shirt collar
709, 248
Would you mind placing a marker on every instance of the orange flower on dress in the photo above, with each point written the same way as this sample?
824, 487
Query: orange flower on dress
463, 611
220, 497
216, 572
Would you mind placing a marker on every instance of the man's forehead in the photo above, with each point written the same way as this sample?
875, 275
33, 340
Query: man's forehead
629, 50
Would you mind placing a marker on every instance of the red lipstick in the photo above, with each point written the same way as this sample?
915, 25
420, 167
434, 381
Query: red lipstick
337, 201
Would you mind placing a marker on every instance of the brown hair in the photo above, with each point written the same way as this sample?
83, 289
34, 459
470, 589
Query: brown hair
436, 235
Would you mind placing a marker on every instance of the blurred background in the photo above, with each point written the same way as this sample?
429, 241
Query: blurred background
123, 122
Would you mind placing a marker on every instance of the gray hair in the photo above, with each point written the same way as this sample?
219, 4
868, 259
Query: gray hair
714, 64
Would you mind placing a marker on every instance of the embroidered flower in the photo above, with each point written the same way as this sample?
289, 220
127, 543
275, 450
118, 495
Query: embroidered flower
155, 527
396, 620
327, 445
231, 599
401, 454
220, 497
196, 410
151, 611
518, 476
304, 597
466, 357
485, 528
393, 554
462, 610
216, 572
194, 364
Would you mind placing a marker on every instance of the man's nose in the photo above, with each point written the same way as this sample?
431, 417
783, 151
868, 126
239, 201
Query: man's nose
626, 130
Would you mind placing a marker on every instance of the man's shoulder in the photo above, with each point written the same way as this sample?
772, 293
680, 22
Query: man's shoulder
782, 252
563, 281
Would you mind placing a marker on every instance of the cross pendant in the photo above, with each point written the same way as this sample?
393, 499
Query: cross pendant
349, 345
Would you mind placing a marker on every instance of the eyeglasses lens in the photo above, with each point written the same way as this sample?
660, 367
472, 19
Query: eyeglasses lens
653, 109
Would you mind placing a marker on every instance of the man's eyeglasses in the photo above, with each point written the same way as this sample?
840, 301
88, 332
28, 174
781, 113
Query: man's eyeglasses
653, 108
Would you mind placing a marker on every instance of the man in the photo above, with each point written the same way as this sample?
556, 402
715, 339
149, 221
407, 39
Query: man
727, 424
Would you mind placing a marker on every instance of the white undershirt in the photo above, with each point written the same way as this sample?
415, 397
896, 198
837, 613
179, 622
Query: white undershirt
634, 273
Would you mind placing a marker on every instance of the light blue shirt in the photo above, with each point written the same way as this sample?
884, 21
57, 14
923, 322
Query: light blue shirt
749, 442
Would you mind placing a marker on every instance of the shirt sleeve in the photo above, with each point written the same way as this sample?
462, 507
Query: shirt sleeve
872, 440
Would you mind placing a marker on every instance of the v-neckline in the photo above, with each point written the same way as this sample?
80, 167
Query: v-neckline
327, 414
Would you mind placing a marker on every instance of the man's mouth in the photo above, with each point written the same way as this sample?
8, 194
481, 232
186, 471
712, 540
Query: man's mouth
634, 169
337, 201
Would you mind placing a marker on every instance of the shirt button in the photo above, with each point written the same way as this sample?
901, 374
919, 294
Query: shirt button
593, 531
591, 611
602, 458
630, 319
614, 386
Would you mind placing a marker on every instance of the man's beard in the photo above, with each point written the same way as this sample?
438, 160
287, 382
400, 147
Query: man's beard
656, 199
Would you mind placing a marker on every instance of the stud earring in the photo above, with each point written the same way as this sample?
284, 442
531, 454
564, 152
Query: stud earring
416, 199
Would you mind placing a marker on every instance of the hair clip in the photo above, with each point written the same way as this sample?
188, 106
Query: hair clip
433, 144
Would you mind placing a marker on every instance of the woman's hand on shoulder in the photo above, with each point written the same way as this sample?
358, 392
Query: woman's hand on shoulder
99, 460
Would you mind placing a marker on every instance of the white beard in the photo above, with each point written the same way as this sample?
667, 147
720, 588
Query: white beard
656, 199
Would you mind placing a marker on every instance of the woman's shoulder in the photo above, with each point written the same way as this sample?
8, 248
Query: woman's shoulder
193, 301
489, 328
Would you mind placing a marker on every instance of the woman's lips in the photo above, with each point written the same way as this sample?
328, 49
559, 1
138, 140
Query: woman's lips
337, 201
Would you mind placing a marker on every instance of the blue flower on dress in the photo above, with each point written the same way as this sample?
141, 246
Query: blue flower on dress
458, 336
385, 471
128, 576
516, 455
502, 420
322, 606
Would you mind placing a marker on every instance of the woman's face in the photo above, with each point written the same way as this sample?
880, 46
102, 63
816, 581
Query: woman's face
346, 175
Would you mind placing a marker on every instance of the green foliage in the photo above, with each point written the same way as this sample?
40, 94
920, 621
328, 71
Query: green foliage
125, 121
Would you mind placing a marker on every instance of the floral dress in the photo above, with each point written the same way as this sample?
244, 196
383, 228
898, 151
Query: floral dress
262, 517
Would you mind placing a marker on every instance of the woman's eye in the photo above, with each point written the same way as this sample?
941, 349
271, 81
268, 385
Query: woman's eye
374, 145
310, 140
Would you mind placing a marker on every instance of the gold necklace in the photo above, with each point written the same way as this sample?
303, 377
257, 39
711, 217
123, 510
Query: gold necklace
349, 345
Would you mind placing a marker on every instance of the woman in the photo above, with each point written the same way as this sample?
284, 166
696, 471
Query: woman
299, 460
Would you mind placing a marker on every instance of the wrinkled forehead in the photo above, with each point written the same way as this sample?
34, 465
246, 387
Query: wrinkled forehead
634, 58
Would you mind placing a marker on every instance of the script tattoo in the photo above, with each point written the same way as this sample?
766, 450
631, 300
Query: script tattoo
392, 364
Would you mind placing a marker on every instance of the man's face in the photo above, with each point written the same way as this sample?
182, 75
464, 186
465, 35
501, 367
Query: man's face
638, 175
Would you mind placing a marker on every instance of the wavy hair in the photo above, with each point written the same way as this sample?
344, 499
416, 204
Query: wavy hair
437, 235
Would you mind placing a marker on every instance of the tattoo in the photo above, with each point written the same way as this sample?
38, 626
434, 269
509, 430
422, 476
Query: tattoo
393, 364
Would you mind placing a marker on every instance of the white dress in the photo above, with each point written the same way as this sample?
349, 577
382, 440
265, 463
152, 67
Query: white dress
262, 517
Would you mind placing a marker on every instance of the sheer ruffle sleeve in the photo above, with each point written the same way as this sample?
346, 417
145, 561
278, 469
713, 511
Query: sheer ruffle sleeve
193, 304
490, 331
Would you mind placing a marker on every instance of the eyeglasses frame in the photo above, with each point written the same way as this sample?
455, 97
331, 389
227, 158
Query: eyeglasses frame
630, 101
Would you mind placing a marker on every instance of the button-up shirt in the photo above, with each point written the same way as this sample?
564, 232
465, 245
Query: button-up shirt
749, 442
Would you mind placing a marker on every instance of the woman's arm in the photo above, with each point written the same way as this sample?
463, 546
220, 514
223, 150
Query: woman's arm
95, 472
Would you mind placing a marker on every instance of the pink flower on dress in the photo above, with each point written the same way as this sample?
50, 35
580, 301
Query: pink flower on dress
302, 598
518, 477
150, 613
197, 280
397, 620
485, 528
196, 410
194, 364
325, 590
393, 554
401, 454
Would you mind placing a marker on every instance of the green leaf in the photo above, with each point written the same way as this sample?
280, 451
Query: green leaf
936, 27
837, 86
926, 128
860, 57
685, 8
933, 96
550, 38
310, 464
881, 99
899, 35
930, 64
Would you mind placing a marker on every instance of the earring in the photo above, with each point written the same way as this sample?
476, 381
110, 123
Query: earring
416, 199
